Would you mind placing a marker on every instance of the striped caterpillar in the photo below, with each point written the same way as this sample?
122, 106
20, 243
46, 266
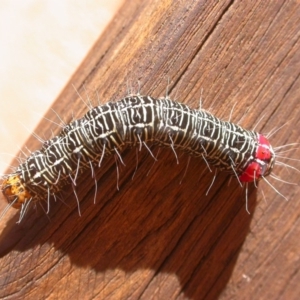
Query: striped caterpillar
136, 121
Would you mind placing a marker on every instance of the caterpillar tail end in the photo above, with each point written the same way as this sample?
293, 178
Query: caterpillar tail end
14, 191
262, 163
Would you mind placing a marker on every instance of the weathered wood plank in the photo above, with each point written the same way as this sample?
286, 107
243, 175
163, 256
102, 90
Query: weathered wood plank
156, 238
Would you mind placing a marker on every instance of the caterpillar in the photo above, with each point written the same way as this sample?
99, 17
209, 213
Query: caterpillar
136, 120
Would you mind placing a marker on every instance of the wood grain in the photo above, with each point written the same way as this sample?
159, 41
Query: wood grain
156, 238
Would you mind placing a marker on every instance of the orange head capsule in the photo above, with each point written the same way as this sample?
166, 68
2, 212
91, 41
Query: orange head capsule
15, 192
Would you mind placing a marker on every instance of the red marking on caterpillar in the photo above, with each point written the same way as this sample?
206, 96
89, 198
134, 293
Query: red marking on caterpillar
256, 169
137, 121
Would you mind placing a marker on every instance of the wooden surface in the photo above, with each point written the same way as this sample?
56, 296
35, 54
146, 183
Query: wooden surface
156, 238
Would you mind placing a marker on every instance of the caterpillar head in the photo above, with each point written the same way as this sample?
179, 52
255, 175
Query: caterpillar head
14, 191
262, 164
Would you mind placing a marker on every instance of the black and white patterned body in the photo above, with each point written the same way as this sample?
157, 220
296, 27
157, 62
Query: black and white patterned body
110, 128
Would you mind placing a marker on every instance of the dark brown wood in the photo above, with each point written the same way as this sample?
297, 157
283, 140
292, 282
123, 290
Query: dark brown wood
156, 238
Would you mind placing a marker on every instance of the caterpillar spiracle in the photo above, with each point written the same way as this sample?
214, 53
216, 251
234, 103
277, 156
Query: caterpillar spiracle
135, 121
